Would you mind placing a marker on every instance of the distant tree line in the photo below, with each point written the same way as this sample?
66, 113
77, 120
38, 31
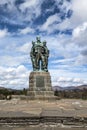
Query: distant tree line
6, 93
77, 94
70, 94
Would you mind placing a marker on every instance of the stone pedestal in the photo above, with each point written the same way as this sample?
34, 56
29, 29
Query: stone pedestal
40, 86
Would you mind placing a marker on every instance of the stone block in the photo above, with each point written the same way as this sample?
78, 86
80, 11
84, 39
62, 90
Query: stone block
40, 85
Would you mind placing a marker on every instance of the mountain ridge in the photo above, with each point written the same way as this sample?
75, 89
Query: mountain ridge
79, 87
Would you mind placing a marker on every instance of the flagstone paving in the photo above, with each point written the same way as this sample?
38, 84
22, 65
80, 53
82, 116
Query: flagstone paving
64, 107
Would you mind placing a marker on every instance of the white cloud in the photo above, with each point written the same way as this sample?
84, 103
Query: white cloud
78, 16
21, 13
32, 8
81, 60
79, 12
65, 6
59, 78
26, 30
25, 48
80, 39
11, 61
6, 1
77, 19
28, 4
48, 25
64, 25
79, 31
3, 33
14, 16
54, 22
62, 46
14, 77
15, 51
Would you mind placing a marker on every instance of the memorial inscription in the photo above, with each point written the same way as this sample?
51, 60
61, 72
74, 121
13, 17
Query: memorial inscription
40, 82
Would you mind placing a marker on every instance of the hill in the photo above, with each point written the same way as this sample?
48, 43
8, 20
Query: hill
80, 87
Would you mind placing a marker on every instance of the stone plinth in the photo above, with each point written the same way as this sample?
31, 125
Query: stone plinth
40, 85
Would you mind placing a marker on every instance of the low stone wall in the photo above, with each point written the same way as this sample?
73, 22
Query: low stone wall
65, 121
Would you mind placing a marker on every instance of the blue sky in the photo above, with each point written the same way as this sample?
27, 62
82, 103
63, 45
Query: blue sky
62, 23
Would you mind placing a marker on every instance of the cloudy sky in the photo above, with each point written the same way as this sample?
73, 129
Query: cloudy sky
62, 23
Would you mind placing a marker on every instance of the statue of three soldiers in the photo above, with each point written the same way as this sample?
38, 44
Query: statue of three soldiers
39, 55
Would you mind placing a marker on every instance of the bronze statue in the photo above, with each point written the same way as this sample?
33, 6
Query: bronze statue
39, 55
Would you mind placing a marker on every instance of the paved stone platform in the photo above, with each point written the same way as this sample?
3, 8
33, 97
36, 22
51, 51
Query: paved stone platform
64, 113
64, 108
